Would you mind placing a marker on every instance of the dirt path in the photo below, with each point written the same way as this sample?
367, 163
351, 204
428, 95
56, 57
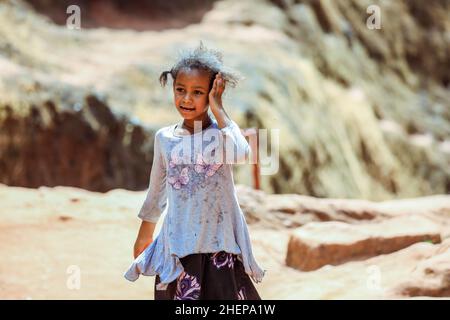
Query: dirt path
45, 231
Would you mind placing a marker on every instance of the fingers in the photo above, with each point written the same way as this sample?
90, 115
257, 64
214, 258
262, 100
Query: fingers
218, 85
214, 88
220, 82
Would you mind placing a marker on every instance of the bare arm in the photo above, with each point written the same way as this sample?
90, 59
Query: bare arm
144, 238
229, 128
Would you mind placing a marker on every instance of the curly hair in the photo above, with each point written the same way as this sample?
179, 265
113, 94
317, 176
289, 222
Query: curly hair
202, 58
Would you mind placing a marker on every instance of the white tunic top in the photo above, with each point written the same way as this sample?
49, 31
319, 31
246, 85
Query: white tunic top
191, 177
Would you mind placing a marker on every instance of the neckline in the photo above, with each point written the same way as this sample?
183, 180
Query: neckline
174, 127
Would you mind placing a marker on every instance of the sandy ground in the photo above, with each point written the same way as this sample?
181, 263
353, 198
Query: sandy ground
47, 235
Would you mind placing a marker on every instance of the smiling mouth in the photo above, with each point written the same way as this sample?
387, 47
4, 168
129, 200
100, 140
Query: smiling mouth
187, 109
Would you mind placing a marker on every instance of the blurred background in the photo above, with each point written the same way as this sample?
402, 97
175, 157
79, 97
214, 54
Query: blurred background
359, 91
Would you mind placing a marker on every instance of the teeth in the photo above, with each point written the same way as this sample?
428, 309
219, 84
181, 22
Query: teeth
187, 108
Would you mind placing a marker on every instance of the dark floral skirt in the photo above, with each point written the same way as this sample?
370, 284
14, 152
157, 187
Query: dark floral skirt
209, 276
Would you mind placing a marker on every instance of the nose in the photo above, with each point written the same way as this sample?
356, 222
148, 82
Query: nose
186, 98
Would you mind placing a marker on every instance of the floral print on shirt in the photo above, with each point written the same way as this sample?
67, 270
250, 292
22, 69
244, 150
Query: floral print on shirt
202, 167
192, 175
180, 179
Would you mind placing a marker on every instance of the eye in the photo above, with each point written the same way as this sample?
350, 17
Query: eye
181, 90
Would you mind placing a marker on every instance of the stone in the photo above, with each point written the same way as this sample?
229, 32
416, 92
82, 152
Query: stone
315, 245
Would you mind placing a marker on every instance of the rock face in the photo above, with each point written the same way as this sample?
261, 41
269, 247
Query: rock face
90, 148
317, 244
119, 14
361, 113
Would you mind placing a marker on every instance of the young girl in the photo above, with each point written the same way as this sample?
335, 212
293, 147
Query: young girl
203, 250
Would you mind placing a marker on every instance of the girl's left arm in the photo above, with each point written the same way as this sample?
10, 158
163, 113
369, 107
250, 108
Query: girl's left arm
229, 129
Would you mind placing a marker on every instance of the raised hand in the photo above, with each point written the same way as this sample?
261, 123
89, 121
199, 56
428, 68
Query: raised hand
215, 95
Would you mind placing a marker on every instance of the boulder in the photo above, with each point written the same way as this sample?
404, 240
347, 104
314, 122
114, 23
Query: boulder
318, 244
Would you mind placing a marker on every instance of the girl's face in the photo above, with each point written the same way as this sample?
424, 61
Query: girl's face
191, 90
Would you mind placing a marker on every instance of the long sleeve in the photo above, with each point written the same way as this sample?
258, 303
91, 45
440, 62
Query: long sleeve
156, 199
236, 148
